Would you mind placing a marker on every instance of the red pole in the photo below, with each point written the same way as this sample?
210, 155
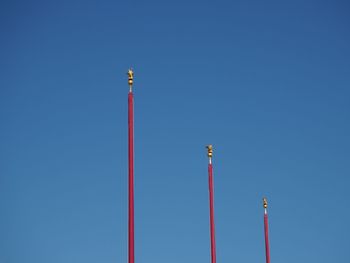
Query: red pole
266, 228
211, 205
131, 168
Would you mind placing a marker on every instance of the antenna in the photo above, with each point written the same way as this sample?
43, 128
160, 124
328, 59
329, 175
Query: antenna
131, 220
266, 230
211, 204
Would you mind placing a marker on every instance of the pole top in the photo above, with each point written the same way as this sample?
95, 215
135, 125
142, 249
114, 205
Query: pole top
130, 78
265, 202
210, 150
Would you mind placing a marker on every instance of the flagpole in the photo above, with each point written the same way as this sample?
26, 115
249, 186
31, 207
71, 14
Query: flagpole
131, 233
211, 204
266, 230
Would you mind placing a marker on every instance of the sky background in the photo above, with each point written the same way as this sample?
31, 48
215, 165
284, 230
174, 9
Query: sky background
266, 82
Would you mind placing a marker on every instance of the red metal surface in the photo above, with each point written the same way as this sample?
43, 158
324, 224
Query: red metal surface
131, 176
212, 225
267, 245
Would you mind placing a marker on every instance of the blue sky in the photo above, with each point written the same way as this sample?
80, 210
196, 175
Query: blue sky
266, 82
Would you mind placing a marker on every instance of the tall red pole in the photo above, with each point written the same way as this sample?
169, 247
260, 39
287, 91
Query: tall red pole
266, 229
131, 233
211, 205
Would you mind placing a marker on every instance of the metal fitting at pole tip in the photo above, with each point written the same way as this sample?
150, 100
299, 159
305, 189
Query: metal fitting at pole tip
265, 202
130, 78
210, 150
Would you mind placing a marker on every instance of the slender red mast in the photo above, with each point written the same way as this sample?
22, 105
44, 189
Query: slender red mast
211, 205
266, 228
131, 167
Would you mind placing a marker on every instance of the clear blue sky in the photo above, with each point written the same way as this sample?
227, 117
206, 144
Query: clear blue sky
266, 82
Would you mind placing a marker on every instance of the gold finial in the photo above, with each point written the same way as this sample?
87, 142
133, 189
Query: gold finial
265, 202
210, 150
130, 78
